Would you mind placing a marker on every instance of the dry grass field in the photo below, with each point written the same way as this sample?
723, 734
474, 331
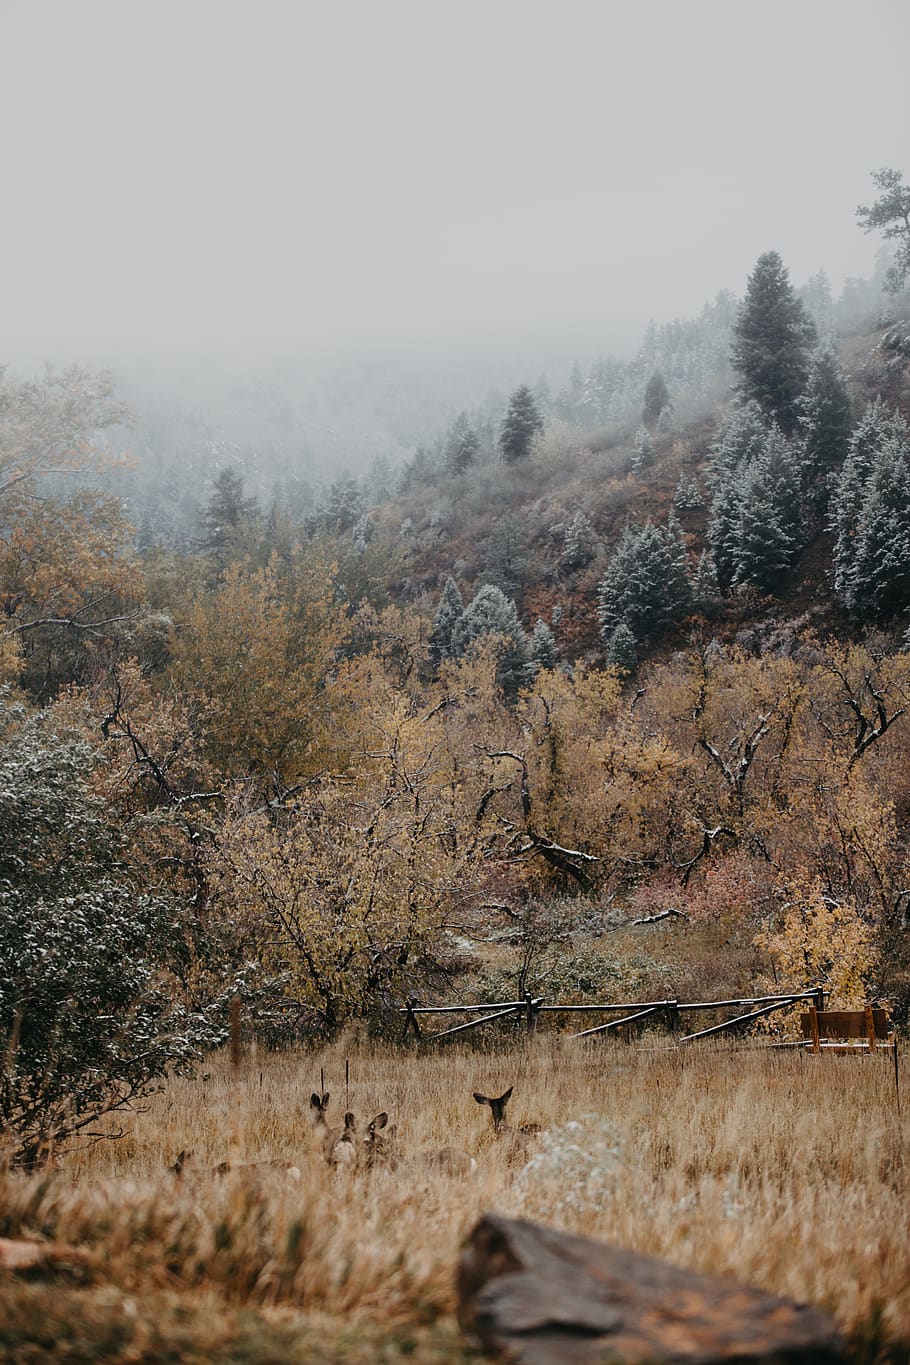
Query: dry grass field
787, 1171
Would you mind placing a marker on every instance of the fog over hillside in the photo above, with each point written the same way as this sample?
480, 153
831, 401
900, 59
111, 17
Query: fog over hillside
246, 182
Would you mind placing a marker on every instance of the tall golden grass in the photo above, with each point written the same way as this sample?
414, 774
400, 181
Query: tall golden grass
787, 1171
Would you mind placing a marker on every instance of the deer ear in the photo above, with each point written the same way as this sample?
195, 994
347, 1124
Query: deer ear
481, 1099
379, 1121
350, 1121
325, 1100
315, 1101
504, 1099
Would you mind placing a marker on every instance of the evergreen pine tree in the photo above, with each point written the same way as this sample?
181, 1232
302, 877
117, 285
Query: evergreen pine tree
645, 585
723, 527
657, 397
705, 587
346, 504
872, 518
579, 542
521, 424
226, 511
738, 444
362, 533
448, 614
824, 421
890, 213
421, 469
688, 495
875, 428
769, 535
620, 649
643, 453
505, 554
380, 480
739, 440
462, 445
490, 612
771, 340
879, 582
679, 589
542, 649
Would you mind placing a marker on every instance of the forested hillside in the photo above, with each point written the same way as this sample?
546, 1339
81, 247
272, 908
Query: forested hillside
628, 648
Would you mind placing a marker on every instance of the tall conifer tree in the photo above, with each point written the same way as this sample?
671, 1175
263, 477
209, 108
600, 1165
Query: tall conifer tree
521, 424
645, 585
824, 421
772, 337
768, 537
871, 518
448, 614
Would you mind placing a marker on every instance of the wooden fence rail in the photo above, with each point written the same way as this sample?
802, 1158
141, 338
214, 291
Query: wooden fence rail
531, 1007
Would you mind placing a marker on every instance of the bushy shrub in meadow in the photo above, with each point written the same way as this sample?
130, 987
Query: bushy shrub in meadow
88, 1018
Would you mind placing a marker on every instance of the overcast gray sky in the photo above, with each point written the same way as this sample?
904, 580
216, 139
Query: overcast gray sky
206, 170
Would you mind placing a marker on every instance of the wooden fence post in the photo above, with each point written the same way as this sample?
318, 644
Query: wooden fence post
236, 1044
410, 1019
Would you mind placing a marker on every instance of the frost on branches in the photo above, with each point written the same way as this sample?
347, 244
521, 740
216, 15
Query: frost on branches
88, 1009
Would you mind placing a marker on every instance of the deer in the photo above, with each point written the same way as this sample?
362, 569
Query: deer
339, 1145
379, 1143
184, 1159
517, 1138
318, 1107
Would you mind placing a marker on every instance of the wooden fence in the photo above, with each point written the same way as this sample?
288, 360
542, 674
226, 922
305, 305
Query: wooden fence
530, 1008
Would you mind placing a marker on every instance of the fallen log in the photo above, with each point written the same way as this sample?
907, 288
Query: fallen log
541, 1297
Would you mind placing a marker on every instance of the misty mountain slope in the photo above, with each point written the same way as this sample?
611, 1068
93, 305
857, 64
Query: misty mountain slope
290, 429
509, 525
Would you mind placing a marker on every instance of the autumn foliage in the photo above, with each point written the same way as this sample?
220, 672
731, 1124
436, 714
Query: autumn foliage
339, 814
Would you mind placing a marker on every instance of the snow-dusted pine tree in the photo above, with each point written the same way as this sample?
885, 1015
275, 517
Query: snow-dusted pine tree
520, 426
462, 445
738, 444
705, 587
643, 452
645, 584
824, 422
723, 527
872, 518
490, 612
891, 214
769, 533
876, 428
657, 397
448, 614
226, 510
542, 648
739, 440
688, 495
879, 581
579, 542
772, 337
620, 649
